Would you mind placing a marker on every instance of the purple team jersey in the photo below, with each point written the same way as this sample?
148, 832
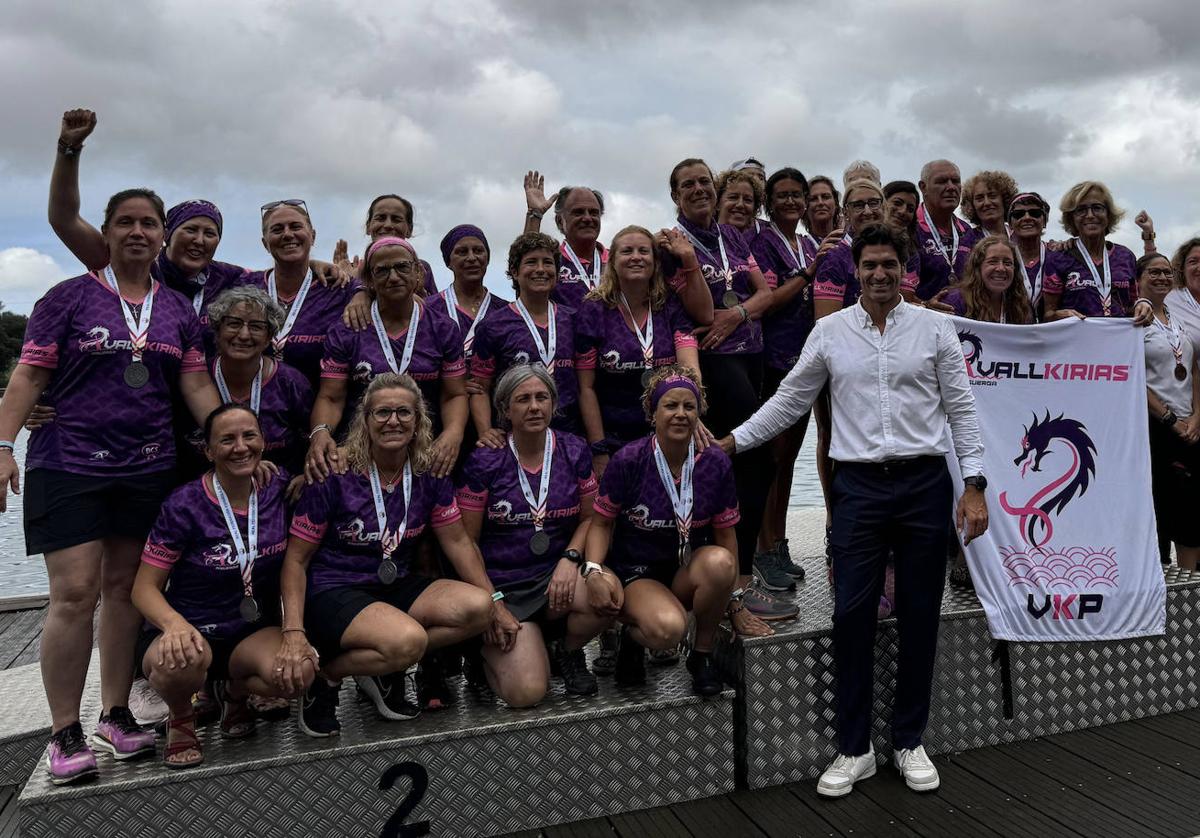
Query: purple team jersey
489, 484
464, 319
201, 289
747, 337
502, 340
339, 516
283, 415
786, 328
934, 271
103, 426
571, 288
357, 357
1067, 274
605, 343
190, 539
305, 344
632, 494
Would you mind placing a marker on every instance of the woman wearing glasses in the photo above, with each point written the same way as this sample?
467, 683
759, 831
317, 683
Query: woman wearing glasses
348, 574
387, 216
408, 336
1092, 277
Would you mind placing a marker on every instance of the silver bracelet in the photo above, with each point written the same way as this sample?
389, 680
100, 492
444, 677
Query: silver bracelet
317, 429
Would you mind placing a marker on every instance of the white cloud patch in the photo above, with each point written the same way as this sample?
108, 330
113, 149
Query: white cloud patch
25, 275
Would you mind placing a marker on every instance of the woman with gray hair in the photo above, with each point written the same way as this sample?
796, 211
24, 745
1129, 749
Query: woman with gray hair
528, 505
244, 320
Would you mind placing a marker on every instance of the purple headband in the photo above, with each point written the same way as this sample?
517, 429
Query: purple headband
670, 383
179, 214
459, 233
390, 241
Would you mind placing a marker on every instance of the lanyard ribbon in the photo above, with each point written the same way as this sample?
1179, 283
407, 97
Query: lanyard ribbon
255, 386
390, 542
385, 342
645, 337
1034, 288
794, 249
247, 551
538, 504
590, 278
1103, 283
681, 498
281, 337
547, 349
198, 299
726, 274
452, 307
1174, 335
139, 330
952, 253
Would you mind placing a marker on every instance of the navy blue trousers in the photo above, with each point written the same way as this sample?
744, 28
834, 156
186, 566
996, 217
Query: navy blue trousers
901, 509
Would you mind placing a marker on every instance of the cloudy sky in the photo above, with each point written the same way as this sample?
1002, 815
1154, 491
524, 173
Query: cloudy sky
449, 103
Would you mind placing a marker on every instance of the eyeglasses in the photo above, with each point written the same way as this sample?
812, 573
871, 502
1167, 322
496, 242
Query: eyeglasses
789, 197
400, 269
872, 203
383, 415
1090, 209
1033, 212
1160, 273
286, 202
258, 328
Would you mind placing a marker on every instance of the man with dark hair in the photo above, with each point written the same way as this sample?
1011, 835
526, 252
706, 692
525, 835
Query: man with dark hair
896, 376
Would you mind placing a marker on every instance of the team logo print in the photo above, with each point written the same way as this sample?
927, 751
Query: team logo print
98, 337
520, 357
362, 372
356, 532
151, 451
972, 350
102, 454
219, 556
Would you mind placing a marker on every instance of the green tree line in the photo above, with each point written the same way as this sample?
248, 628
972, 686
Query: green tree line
12, 333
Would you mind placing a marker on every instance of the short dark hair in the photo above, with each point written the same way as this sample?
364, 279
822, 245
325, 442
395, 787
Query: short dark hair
883, 235
683, 164
895, 187
1147, 259
525, 244
221, 411
138, 192
408, 207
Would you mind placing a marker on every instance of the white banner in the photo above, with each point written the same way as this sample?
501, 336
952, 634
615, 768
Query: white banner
1071, 551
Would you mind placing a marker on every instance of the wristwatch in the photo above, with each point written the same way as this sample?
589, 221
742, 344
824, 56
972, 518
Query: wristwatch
588, 568
976, 480
573, 555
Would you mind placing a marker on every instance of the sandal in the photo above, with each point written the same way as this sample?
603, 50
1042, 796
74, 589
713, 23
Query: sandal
181, 738
237, 719
744, 623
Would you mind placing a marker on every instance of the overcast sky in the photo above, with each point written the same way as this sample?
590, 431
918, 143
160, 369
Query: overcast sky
449, 103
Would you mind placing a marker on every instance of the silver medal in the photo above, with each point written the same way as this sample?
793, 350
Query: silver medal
388, 572
137, 375
539, 543
729, 299
249, 609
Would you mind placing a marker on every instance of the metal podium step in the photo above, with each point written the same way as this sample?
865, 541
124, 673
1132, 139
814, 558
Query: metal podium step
475, 769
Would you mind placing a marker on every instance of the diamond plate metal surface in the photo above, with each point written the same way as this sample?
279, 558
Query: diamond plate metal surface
491, 770
784, 709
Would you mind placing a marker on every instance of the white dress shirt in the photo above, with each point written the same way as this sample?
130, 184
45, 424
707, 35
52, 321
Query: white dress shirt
892, 393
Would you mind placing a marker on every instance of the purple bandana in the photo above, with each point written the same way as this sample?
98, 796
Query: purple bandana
179, 214
459, 233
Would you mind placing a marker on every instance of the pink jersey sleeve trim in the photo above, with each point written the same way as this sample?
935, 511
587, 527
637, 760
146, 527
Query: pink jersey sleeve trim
603, 505
444, 516
909, 283
727, 519
159, 555
35, 355
334, 369
303, 527
589, 486
771, 278
474, 501
193, 361
454, 369
686, 340
1051, 284
586, 360
828, 290
481, 368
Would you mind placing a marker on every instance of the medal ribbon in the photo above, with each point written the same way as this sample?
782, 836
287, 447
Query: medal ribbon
590, 278
547, 349
681, 498
385, 342
139, 330
198, 300
452, 307
726, 274
794, 249
948, 255
1034, 288
281, 337
392, 541
247, 551
645, 337
537, 505
1103, 284
1174, 335
255, 386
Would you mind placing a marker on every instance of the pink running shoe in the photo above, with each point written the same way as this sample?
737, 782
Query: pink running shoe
68, 757
121, 735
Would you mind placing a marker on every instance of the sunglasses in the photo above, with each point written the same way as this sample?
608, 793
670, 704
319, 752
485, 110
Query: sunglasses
1034, 213
286, 202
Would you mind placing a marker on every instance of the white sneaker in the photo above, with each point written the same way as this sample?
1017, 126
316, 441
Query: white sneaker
839, 778
147, 706
917, 769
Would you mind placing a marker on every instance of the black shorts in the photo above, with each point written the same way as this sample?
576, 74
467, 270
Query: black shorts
222, 649
65, 510
329, 613
663, 572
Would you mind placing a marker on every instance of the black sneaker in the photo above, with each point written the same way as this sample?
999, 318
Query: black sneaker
388, 694
706, 680
554, 653
630, 670
789, 565
606, 662
475, 672
433, 693
318, 709
572, 664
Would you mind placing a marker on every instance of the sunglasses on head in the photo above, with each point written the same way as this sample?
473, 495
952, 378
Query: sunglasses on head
286, 202
1032, 212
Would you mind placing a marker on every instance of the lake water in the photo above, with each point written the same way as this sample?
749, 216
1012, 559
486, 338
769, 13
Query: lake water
21, 575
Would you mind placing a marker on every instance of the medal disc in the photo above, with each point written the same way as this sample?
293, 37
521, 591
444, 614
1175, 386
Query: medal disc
387, 572
137, 374
729, 299
646, 376
249, 609
1180, 372
539, 543
685, 554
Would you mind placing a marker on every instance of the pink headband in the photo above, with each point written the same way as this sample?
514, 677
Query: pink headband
670, 383
390, 241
